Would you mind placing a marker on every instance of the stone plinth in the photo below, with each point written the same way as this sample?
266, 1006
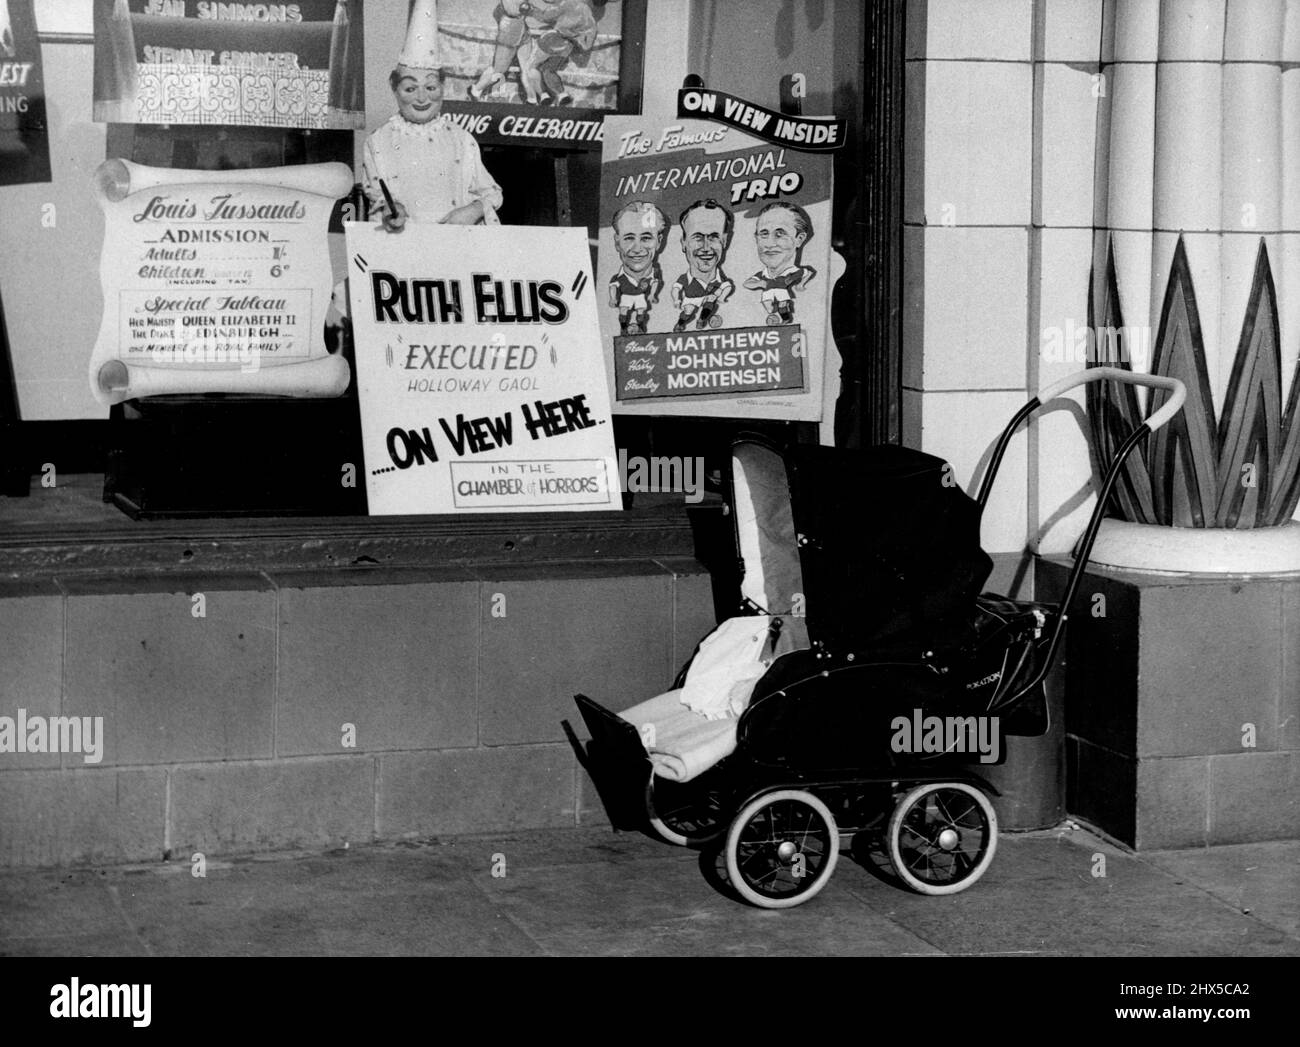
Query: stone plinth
1182, 706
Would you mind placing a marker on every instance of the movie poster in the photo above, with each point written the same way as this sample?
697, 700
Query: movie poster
216, 282
479, 370
715, 271
528, 73
24, 136
299, 65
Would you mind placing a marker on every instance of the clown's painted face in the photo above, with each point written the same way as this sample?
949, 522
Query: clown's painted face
419, 94
704, 240
638, 238
778, 238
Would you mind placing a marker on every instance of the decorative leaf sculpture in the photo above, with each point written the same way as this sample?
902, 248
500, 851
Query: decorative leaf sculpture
1244, 471
1286, 481
1112, 407
1252, 410
1184, 454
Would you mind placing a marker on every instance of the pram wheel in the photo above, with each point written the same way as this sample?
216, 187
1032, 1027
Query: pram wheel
682, 815
781, 849
942, 837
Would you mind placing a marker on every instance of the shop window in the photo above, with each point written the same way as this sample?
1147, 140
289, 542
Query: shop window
850, 56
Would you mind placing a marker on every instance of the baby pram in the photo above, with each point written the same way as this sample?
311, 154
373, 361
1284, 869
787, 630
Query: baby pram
866, 680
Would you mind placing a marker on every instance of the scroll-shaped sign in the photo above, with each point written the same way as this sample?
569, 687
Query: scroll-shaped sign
715, 272
479, 370
216, 282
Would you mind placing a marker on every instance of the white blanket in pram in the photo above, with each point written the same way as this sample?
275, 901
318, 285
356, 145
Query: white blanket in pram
686, 731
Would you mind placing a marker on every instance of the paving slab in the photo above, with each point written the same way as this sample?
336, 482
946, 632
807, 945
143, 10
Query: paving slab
595, 892
1260, 879
1072, 894
324, 906
674, 906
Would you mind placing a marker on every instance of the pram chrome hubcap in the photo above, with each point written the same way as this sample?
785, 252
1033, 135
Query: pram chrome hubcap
942, 837
781, 848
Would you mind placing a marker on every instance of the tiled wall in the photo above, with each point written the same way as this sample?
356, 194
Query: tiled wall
225, 733
1003, 102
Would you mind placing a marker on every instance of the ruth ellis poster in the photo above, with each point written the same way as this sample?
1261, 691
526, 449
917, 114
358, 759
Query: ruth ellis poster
199, 62
715, 269
24, 141
216, 282
479, 370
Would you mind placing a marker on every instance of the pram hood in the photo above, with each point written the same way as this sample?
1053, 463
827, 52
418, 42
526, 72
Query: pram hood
870, 545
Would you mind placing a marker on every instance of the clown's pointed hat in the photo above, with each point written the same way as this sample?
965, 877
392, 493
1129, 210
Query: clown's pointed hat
421, 50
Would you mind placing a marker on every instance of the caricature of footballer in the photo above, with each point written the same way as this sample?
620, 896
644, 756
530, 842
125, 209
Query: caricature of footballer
640, 233
780, 233
698, 292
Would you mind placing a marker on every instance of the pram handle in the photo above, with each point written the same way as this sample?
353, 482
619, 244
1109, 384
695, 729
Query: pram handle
1083, 551
1116, 374
1157, 420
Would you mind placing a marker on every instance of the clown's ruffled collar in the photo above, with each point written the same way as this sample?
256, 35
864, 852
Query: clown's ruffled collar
423, 132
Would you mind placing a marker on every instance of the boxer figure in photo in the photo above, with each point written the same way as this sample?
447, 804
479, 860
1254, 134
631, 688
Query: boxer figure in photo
7, 46
541, 35
704, 287
640, 233
780, 233
512, 36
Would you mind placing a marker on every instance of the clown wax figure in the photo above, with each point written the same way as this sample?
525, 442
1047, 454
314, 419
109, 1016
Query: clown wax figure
432, 168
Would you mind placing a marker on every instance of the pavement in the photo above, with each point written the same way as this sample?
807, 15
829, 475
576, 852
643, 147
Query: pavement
594, 892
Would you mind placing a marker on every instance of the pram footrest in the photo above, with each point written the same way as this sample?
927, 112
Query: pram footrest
617, 762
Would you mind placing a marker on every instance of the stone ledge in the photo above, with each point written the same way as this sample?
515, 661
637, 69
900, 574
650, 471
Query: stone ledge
209, 748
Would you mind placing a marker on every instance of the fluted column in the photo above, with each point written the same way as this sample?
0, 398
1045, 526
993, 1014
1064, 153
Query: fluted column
1288, 264
1203, 149
1252, 163
1131, 82
1204, 142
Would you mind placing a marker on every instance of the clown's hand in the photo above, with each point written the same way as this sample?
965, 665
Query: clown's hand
396, 221
468, 214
